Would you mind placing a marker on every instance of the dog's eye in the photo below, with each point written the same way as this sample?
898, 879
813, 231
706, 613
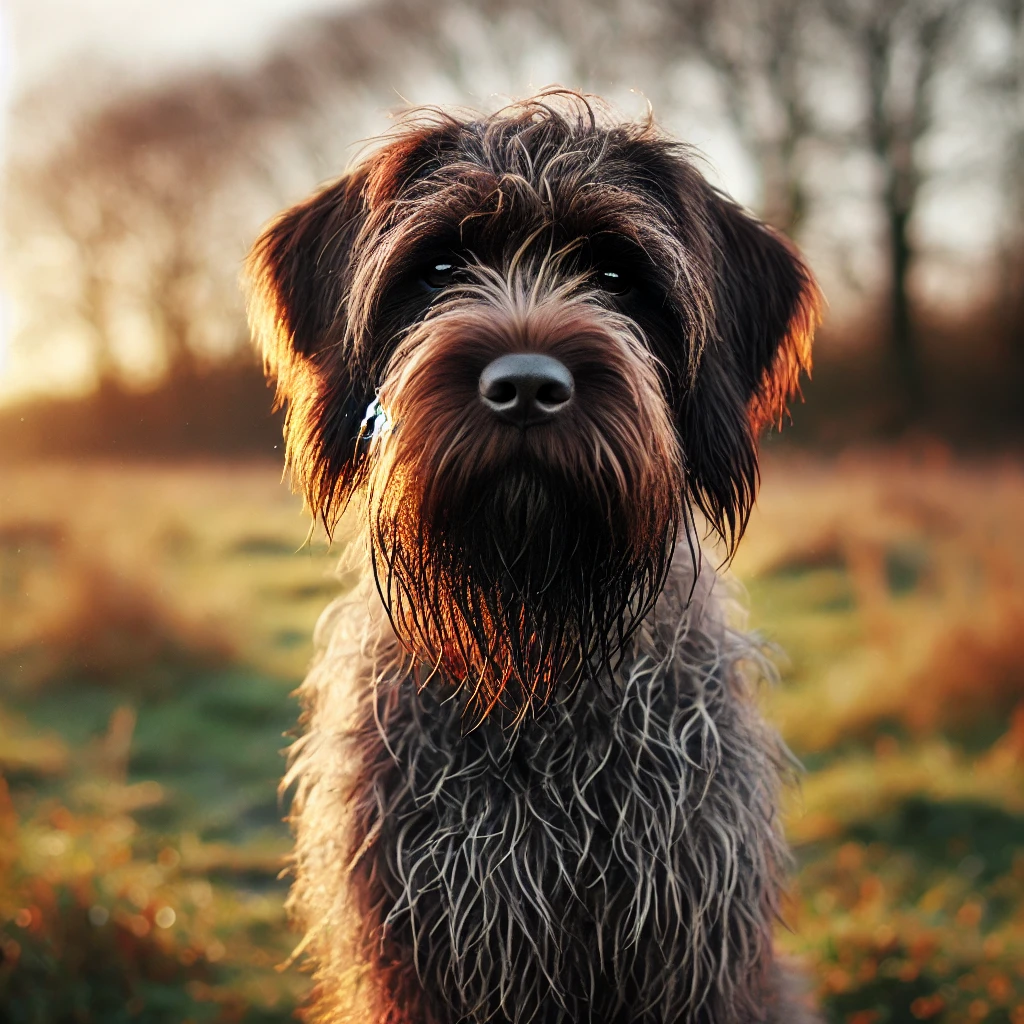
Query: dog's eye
613, 280
439, 274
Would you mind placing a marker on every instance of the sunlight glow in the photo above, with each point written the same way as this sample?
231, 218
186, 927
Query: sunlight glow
5, 68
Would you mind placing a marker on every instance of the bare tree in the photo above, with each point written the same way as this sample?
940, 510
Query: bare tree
899, 47
118, 212
61, 291
1008, 84
758, 53
155, 195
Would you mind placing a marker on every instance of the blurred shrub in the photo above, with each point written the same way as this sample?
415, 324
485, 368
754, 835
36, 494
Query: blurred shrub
70, 616
899, 941
974, 672
898, 581
92, 934
72, 951
68, 960
219, 410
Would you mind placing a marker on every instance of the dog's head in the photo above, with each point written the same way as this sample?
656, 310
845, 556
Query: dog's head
535, 343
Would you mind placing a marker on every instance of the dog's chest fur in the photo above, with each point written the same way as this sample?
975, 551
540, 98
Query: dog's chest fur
614, 859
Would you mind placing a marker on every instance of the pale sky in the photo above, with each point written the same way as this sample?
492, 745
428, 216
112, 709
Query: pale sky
148, 37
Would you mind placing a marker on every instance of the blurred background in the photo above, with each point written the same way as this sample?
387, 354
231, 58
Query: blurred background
157, 586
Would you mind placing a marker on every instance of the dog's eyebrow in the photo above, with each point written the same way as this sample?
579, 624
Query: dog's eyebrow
462, 191
467, 193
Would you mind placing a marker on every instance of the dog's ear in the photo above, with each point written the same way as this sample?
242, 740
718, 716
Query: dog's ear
298, 275
296, 271
767, 305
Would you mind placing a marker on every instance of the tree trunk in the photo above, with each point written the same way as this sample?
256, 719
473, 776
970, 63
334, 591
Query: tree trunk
94, 309
784, 197
903, 335
1012, 260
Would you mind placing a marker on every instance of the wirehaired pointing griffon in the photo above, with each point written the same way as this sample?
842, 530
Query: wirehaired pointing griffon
533, 352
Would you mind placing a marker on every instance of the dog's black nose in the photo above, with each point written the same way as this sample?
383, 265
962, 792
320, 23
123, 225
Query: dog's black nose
525, 388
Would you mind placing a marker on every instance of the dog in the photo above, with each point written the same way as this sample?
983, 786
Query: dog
533, 352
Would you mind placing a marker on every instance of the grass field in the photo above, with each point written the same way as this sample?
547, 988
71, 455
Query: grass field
153, 622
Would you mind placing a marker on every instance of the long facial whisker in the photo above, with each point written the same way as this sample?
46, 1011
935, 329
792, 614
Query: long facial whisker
512, 570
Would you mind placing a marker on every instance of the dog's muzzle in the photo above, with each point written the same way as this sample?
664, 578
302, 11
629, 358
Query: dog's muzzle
526, 388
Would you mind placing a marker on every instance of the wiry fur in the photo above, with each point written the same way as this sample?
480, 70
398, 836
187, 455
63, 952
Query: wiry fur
533, 785
457, 511
618, 860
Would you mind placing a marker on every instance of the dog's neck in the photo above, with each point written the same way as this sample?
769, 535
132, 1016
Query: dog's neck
693, 608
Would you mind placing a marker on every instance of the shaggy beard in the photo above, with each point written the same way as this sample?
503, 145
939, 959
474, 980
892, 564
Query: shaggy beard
525, 588
514, 563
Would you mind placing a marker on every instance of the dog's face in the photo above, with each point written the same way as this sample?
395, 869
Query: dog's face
534, 345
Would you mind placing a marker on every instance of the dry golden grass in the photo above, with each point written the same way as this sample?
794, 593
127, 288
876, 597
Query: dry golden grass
924, 560
153, 620
163, 563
